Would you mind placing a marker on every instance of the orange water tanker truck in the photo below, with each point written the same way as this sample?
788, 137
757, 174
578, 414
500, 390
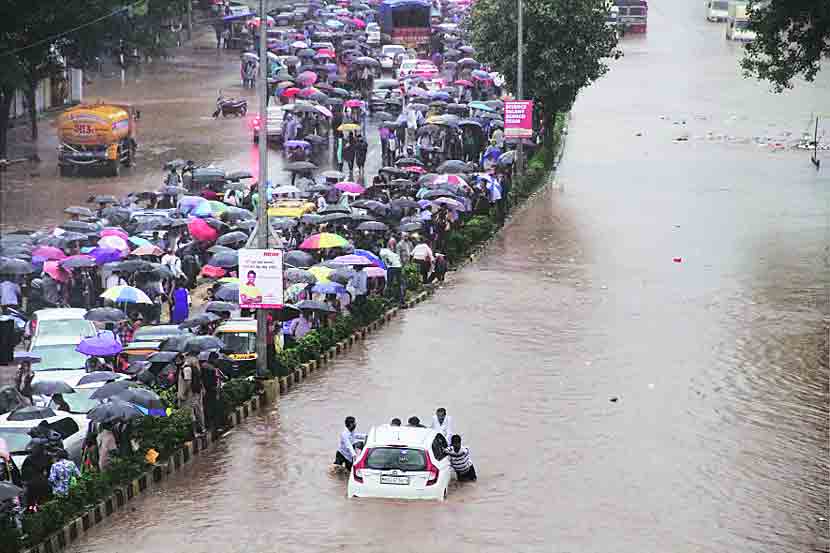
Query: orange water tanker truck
97, 135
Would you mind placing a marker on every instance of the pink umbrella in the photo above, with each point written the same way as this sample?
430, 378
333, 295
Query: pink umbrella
307, 78
375, 272
452, 180
359, 23
48, 253
52, 269
212, 272
151, 250
353, 103
325, 52
352, 259
114, 242
112, 231
200, 230
324, 110
415, 169
289, 92
350, 187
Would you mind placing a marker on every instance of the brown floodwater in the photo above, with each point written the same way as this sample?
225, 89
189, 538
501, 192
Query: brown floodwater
718, 438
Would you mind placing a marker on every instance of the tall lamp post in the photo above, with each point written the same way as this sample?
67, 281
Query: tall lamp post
520, 80
262, 211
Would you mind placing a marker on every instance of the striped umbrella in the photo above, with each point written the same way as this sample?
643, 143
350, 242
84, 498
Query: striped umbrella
126, 294
324, 240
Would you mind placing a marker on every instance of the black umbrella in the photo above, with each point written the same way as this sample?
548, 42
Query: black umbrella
152, 224
163, 356
245, 226
104, 199
226, 260
217, 224
81, 226
454, 166
228, 292
199, 320
51, 387
298, 258
217, 248
311, 219
334, 208
77, 263
410, 227
236, 237
10, 266
98, 376
11, 399
116, 215
71, 236
360, 217
9, 491
312, 305
175, 164
133, 266
198, 344
79, 211
334, 217
114, 410
143, 397
146, 377
31, 413
342, 275
239, 175
220, 307
298, 166
233, 214
404, 203
110, 389
409, 161
282, 223
300, 276
374, 226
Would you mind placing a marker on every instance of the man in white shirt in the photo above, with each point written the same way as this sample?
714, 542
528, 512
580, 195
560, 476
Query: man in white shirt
321, 203
345, 448
423, 256
442, 423
9, 293
172, 261
114, 280
360, 285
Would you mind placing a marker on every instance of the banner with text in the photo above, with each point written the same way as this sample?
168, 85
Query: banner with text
518, 119
260, 279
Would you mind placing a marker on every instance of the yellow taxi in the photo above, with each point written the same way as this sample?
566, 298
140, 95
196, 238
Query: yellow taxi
290, 208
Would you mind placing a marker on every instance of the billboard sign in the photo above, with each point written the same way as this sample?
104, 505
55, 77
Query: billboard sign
518, 119
260, 279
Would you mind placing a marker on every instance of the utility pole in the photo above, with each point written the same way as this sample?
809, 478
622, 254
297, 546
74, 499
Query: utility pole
262, 212
189, 20
520, 87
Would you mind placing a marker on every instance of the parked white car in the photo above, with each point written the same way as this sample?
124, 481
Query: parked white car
72, 427
401, 462
391, 55
59, 325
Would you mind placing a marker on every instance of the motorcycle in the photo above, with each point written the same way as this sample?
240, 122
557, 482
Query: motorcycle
230, 106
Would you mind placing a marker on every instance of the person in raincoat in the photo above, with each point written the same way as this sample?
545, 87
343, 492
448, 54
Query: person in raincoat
361, 150
180, 308
349, 151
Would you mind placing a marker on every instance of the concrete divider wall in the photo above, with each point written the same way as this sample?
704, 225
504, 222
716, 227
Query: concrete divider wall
155, 476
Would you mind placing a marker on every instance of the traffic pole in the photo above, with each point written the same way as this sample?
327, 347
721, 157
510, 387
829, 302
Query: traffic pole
262, 210
520, 81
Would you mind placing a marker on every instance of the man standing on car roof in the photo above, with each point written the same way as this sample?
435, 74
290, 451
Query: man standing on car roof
348, 438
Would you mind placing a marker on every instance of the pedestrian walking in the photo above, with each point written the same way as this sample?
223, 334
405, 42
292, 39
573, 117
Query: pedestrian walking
349, 151
361, 150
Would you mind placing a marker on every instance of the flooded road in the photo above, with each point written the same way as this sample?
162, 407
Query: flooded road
718, 438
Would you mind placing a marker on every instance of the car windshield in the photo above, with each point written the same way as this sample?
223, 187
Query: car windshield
79, 402
393, 50
742, 25
239, 342
152, 333
16, 439
722, 6
65, 327
395, 458
61, 356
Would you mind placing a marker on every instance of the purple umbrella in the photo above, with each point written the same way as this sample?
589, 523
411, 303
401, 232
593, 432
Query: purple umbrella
307, 78
102, 346
106, 255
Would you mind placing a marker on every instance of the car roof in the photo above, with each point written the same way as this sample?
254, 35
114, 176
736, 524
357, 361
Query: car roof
6, 423
408, 436
160, 329
132, 346
245, 324
60, 313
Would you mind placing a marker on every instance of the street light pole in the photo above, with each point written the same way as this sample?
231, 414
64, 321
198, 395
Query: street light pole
262, 211
520, 80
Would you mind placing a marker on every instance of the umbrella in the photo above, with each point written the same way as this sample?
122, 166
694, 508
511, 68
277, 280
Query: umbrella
110, 389
114, 243
51, 387
281, 223
452, 180
105, 315
450, 202
98, 376
114, 410
106, 255
20, 356
162, 356
334, 208
52, 269
199, 320
334, 217
297, 258
311, 305
79, 211
220, 307
201, 230
11, 399
31, 413
9, 491
141, 397
236, 237
48, 253
404, 203
148, 250
367, 61
211, 271
81, 226
342, 275
374, 259
77, 262
11, 266
228, 292
410, 227
126, 294
198, 344
133, 266
104, 346
331, 174
300, 166
225, 260
374, 226
328, 288
348, 127
307, 77
324, 240
105, 199
350, 187
300, 275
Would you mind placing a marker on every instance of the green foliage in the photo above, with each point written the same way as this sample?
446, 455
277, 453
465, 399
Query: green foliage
164, 434
309, 347
236, 392
412, 278
372, 309
792, 38
288, 361
566, 43
327, 338
343, 327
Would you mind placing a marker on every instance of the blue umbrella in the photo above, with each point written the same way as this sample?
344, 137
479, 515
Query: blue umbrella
21, 356
328, 288
371, 257
104, 346
138, 241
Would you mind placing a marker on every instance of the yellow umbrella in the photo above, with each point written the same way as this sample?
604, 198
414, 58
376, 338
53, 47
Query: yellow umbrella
348, 127
322, 273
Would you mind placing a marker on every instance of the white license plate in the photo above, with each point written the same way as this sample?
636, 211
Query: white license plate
397, 480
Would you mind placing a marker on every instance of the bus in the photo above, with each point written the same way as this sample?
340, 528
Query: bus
633, 15
407, 22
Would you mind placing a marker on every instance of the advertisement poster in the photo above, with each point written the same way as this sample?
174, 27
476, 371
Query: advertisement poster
260, 279
518, 119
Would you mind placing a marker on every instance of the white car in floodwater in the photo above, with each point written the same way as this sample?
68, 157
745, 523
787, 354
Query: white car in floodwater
401, 462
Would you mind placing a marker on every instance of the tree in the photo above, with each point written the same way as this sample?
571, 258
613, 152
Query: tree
566, 43
792, 37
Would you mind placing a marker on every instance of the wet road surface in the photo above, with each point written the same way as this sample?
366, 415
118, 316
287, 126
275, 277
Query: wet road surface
718, 438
